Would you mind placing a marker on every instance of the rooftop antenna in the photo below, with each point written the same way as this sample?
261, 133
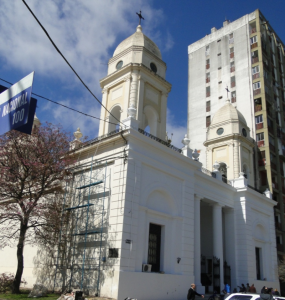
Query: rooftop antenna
140, 16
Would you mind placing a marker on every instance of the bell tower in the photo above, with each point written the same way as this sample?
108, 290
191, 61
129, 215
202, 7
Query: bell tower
135, 86
229, 144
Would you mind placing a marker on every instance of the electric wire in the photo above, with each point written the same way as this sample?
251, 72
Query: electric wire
68, 62
80, 112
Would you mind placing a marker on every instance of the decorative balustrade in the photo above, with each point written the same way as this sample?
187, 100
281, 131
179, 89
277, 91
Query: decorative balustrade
165, 143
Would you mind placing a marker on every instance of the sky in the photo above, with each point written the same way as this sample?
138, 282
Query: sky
88, 31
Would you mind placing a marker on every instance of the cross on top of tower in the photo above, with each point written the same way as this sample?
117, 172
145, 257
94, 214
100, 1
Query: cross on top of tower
228, 91
140, 16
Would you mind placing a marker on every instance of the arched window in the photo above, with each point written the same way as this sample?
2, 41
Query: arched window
151, 119
114, 118
245, 171
223, 170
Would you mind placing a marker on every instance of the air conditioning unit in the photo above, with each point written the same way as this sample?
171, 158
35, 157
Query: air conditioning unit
146, 268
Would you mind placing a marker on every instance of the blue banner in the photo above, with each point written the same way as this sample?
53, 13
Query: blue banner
15, 112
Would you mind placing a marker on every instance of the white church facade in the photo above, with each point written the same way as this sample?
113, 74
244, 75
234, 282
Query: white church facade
148, 218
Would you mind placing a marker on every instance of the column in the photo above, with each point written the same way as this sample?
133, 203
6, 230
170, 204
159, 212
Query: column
132, 110
102, 124
218, 239
236, 159
197, 243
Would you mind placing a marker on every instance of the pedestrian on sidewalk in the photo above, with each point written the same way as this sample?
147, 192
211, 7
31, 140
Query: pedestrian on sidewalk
191, 293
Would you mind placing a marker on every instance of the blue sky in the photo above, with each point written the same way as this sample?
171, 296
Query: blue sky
88, 31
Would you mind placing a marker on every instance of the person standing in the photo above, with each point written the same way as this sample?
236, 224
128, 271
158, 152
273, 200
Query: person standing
191, 292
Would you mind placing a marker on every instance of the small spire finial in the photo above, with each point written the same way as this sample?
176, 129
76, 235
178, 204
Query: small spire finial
140, 16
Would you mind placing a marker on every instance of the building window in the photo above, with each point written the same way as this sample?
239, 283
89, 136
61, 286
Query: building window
232, 52
254, 57
233, 81
232, 66
233, 97
208, 91
231, 38
259, 122
261, 159
258, 263
207, 77
253, 42
218, 40
208, 106
154, 245
208, 64
260, 139
255, 72
113, 252
221, 97
256, 88
207, 52
208, 121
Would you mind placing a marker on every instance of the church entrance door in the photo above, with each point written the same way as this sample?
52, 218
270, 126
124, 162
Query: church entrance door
154, 244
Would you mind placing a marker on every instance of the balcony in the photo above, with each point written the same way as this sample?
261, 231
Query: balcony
208, 66
259, 126
257, 107
279, 247
232, 55
270, 129
208, 108
232, 69
252, 30
260, 143
256, 92
234, 99
208, 94
255, 76
273, 166
254, 45
207, 80
254, 60
278, 226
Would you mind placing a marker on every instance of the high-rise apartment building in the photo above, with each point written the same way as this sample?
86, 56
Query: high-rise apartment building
243, 61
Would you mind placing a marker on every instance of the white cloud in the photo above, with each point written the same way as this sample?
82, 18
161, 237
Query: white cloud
177, 130
86, 32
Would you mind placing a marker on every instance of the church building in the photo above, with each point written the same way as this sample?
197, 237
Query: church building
148, 219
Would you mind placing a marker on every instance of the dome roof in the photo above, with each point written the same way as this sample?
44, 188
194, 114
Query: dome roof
227, 113
138, 39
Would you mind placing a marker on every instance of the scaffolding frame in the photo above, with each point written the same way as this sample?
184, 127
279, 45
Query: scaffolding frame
83, 238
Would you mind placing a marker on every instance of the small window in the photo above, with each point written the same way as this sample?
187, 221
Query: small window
119, 65
233, 97
253, 40
208, 121
231, 35
153, 67
113, 252
218, 41
208, 106
219, 54
258, 119
208, 91
221, 97
233, 81
207, 52
207, 77
255, 70
220, 82
260, 137
256, 85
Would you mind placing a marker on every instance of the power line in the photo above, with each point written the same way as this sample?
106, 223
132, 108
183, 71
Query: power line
68, 62
65, 106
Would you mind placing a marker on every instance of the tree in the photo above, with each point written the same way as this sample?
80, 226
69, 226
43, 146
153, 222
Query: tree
33, 169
